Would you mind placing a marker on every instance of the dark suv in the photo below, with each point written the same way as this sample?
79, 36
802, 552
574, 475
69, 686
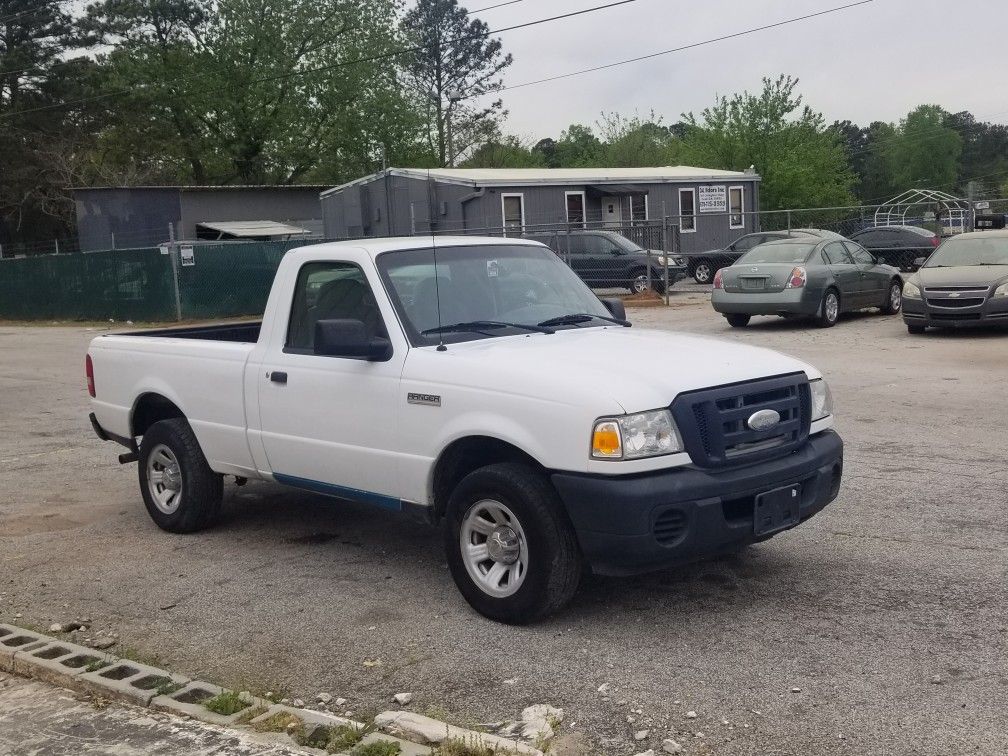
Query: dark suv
703, 265
898, 246
608, 260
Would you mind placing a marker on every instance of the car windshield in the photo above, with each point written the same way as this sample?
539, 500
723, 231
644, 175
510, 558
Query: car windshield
965, 251
776, 252
484, 290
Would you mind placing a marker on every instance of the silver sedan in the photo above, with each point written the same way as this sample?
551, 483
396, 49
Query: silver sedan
801, 277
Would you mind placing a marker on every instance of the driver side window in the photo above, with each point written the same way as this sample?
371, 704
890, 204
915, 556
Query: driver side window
835, 254
860, 255
330, 291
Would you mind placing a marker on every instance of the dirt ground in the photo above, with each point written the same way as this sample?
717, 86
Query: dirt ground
879, 627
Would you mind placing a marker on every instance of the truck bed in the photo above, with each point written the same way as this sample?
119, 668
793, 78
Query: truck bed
244, 333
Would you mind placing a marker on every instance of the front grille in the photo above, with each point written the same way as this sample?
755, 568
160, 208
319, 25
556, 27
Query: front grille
944, 289
714, 422
669, 526
955, 315
949, 302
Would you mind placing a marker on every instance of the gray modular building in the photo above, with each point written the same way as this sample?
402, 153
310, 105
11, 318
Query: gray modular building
712, 207
139, 216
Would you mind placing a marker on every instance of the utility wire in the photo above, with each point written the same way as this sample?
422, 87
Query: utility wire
356, 61
499, 5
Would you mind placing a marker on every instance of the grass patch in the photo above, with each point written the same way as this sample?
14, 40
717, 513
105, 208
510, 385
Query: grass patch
378, 748
167, 688
96, 665
251, 714
279, 722
226, 703
341, 738
467, 747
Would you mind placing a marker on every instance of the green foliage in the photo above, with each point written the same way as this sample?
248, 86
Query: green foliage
377, 748
927, 151
801, 162
508, 152
226, 703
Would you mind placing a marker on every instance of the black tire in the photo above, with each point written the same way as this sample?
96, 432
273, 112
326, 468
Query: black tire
657, 281
736, 320
894, 298
828, 317
554, 565
916, 330
703, 271
200, 489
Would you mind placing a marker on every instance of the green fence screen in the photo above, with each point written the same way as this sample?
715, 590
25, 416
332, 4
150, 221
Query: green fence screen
223, 280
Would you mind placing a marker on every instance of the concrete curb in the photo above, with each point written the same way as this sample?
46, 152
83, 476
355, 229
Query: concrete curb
82, 669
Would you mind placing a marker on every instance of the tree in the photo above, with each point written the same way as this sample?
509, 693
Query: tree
578, 147
455, 62
635, 142
926, 151
801, 162
507, 152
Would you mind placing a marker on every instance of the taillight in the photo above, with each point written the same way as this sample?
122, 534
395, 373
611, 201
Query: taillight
935, 241
89, 374
718, 283
797, 279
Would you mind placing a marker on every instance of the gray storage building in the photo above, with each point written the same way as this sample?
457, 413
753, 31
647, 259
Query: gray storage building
139, 216
712, 207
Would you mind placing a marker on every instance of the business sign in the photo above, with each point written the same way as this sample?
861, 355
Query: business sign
982, 205
186, 253
713, 199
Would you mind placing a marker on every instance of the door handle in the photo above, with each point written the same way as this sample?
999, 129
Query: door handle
278, 377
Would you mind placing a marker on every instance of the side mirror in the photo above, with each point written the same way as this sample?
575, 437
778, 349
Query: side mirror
616, 307
348, 338
919, 261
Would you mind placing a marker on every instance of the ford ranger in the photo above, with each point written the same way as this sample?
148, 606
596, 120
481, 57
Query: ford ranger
477, 383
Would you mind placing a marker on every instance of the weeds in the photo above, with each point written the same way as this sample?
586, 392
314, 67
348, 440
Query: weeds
226, 703
377, 748
467, 747
278, 722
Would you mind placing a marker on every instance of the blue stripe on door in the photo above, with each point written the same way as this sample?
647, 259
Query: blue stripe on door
340, 492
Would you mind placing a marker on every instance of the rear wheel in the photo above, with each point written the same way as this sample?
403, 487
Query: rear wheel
182, 494
511, 549
916, 330
829, 310
894, 298
736, 320
703, 272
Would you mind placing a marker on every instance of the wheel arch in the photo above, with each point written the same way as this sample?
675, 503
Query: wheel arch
149, 408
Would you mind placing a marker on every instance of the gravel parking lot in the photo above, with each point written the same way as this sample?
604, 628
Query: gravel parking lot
879, 627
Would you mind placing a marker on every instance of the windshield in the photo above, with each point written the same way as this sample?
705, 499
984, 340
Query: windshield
776, 252
623, 244
965, 251
489, 284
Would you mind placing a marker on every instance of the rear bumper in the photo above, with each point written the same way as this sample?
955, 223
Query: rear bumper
803, 301
992, 312
629, 525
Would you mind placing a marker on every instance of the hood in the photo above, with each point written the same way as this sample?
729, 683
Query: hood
615, 368
980, 276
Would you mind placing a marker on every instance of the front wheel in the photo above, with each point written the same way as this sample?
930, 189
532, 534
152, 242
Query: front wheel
737, 321
639, 284
703, 272
511, 549
829, 309
894, 299
182, 494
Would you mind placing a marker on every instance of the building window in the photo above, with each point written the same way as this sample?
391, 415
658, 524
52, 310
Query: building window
736, 207
513, 207
575, 207
687, 210
638, 207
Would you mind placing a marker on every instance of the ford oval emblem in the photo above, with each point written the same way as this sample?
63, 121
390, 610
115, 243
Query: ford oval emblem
763, 420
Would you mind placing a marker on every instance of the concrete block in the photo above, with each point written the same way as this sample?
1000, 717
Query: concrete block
15, 639
421, 729
189, 701
312, 719
57, 662
129, 681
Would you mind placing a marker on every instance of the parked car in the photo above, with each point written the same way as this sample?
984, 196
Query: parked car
703, 265
898, 246
483, 387
608, 260
805, 277
964, 283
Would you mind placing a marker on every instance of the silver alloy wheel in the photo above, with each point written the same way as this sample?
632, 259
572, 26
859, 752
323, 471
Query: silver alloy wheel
640, 284
831, 306
895, 297
494, 548
702, 273
164, 479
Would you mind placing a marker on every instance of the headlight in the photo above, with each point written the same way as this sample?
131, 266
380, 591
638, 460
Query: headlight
680, 261
1001, 291
822, 399
911, 291
645, 434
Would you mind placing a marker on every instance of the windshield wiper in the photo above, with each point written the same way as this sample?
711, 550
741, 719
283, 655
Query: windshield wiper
483, 325
582, 317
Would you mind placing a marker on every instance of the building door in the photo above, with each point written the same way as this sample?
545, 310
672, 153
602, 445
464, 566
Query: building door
612, 212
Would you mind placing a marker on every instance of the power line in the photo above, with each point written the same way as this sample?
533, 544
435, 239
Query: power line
367, 59
498, 5
686, 47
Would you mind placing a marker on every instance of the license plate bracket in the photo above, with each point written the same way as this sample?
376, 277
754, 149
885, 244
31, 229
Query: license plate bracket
777, 510
753, 283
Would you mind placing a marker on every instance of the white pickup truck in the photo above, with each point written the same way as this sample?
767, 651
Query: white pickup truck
480, 384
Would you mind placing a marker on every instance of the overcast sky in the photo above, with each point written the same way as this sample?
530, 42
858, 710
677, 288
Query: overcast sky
871, 62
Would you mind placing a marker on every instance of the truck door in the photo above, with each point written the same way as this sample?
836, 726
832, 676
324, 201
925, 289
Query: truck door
329, 423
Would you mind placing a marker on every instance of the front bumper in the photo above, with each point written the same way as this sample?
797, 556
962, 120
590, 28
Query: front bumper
633, 524
991, 312
802, 301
